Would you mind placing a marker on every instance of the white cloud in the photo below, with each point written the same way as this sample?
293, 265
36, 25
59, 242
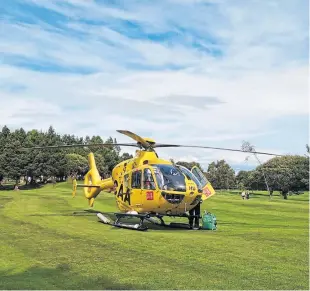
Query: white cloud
258, 73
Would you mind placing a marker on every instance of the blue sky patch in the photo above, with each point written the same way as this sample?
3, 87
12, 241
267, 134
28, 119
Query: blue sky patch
44, 66
149, 67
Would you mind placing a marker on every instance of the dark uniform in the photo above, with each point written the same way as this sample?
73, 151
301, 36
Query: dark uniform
195, 212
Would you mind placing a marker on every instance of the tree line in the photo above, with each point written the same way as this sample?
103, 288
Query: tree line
287, 173
57, 163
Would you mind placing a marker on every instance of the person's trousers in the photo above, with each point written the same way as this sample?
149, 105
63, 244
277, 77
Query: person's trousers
194, 212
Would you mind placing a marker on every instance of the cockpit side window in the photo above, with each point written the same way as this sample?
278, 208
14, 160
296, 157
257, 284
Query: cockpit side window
148, 180
136, 180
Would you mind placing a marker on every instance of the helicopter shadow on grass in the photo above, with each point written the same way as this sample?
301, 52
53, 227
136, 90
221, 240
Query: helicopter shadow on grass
61, 278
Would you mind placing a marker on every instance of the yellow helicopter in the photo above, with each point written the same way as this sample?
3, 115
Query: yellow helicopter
146, 186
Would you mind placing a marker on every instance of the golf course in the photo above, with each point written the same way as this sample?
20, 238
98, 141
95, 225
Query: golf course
48, 241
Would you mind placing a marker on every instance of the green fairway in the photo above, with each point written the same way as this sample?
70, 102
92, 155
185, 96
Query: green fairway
259, 244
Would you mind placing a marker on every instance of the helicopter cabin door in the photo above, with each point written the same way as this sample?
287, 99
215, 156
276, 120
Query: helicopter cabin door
136, 188
208, 190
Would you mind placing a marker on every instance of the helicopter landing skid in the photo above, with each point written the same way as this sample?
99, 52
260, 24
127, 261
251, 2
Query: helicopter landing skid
139, 226
117, 223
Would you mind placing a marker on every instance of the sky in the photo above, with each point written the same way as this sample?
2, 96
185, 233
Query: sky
193, 72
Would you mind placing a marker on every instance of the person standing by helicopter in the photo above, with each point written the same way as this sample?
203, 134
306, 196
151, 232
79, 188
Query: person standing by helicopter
194, 216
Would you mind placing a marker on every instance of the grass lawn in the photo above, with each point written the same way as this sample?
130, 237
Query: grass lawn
259, 244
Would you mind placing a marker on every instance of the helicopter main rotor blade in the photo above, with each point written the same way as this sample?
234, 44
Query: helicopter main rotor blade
80, 145
214, 148
136, 137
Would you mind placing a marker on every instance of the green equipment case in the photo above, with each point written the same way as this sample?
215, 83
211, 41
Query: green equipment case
209, 221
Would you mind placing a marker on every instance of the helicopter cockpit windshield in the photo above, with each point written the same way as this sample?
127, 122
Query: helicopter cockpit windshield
169, 177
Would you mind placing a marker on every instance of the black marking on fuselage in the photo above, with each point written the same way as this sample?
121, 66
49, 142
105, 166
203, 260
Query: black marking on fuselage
125, 197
